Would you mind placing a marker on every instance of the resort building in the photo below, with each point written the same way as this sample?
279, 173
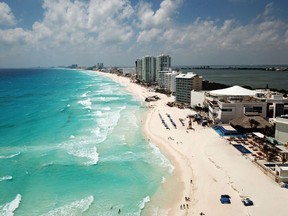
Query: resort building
197, 98
234, 102
281, 129
161, 79
277, 105
138, 66
170, 81
148, 67
127, 71
163, 63
167, 80
185, 83
100, 66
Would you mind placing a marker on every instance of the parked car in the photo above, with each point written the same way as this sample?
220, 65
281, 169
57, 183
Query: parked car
225, 199
247, 202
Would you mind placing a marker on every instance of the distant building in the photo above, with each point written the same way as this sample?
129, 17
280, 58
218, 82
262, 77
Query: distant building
148, 67
138, 67
127, 71
170, 81
185, 83
161, 79
100, 66
163, 63
74, 66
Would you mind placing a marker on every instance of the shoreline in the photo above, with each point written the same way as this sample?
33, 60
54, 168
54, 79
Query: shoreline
214, 166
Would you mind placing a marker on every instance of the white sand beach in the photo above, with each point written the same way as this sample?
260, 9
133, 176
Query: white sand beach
214, 166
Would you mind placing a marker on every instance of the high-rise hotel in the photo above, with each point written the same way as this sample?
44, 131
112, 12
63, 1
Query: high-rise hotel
148, 67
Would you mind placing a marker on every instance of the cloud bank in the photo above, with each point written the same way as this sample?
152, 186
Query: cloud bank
116, 32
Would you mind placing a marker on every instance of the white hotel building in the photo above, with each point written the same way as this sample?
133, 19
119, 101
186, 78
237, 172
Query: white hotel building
185, 83
230, 103
148, 67
167, 80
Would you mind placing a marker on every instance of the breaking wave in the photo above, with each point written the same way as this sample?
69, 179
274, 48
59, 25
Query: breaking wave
164, 162
4, 178
86, 103
9, 156
85, 94
89, 153
143, 202
9, 208
73, 209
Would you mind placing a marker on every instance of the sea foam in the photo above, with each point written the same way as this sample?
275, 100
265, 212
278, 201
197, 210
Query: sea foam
73, 209
164, 162
9, 156
86, 103
143, 202
4, 178
85, 94
89, 153
9, 208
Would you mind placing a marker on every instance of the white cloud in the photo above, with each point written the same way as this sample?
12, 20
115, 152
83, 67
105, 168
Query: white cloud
14, 36
160, 18
263, 33
149, 35
6, 16
91, 29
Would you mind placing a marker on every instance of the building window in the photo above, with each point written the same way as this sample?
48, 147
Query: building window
253, 109
226, 110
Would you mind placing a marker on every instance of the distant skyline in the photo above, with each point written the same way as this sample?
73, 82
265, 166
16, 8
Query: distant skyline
116, 32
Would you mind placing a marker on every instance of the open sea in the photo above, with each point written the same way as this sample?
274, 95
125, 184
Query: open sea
253, 78
71, 143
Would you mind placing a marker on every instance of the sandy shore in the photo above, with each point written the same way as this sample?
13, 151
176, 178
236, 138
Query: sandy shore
214, 166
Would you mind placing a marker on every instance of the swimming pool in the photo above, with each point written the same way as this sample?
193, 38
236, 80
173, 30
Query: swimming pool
242, 149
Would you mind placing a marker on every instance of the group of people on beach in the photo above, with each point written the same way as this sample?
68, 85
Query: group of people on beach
184, 206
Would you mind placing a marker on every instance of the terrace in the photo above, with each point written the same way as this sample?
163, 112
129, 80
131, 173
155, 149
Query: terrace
270, 157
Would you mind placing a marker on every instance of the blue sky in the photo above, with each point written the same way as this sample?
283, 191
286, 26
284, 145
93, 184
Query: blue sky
117, 32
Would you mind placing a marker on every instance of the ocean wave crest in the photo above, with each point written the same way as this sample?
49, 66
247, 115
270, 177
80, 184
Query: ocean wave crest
85, 94
9, 156
86, 103
73, 209
9, 208
164, 162
89, 153
143, 202
4, 178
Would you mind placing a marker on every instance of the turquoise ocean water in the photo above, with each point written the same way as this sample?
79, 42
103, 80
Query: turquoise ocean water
71, 144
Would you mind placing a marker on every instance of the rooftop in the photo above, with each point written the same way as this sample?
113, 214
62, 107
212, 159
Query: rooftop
189, 75
234, 91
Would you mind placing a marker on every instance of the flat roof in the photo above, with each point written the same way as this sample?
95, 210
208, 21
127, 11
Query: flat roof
189, 75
